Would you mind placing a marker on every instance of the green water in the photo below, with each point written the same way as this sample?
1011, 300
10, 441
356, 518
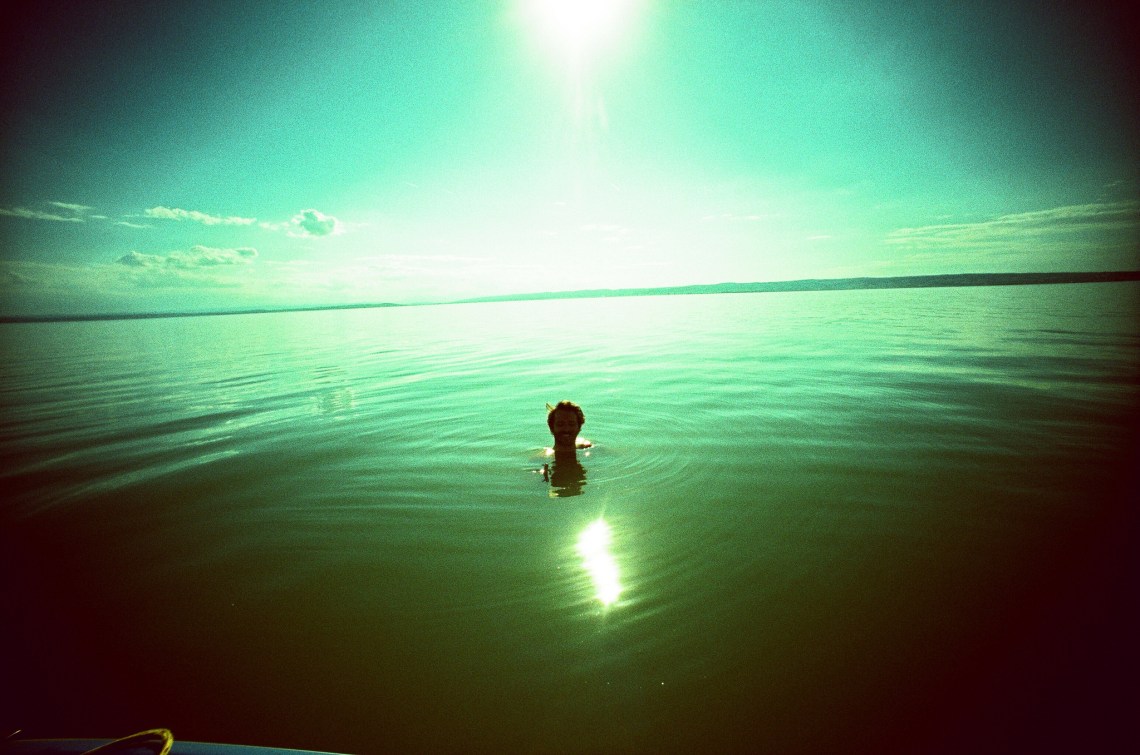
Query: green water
872, 521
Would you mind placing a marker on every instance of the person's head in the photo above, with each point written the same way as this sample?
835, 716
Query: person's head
565, 421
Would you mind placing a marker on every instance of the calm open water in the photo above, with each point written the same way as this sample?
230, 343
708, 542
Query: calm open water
895, 520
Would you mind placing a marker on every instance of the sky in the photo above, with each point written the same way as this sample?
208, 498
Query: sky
181, 157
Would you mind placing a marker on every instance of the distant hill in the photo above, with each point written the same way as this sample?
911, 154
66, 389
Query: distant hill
155, 315
812, 284
833, 284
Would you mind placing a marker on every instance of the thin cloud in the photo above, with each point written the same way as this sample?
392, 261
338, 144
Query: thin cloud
197, 257
306, 223
24, 212
1108, 217
175, 213
77, 208
11, 277
198, 267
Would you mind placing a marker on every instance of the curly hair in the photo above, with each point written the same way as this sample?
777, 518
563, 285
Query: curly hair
569, 406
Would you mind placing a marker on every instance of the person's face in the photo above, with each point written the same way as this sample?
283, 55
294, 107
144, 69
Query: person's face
565, 427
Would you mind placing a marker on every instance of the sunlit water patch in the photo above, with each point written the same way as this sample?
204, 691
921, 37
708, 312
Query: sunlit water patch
597, 560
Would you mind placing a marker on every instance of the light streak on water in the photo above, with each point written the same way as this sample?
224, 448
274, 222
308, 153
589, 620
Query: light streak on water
599, 563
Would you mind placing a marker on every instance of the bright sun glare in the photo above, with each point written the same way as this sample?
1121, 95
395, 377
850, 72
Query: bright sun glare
578, 27
599, 563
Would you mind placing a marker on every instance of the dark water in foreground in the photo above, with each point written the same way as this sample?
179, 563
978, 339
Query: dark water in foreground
861, 521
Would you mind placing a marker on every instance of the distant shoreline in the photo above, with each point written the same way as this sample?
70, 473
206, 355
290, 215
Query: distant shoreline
204, 313
834, 284
810, 284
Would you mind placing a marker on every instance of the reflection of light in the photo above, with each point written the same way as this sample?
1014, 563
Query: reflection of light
594, 547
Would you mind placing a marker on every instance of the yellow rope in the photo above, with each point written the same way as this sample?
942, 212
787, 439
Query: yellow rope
150, 737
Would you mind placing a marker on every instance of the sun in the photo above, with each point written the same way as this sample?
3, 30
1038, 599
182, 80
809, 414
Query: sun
578, 29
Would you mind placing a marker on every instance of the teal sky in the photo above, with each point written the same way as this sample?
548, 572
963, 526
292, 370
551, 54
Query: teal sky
197, 156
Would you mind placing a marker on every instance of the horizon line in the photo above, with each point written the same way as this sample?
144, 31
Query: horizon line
943, 280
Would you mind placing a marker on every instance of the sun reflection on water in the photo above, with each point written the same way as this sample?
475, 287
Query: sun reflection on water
599, 563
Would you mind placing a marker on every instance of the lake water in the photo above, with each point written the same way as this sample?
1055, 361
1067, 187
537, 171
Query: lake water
893, 520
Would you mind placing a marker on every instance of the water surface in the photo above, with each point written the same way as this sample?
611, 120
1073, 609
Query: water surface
854, 520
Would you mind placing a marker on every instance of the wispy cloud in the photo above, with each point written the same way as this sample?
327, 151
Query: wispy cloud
198, 278
24, 212
1051, 224
175, 213
67, 288
196, 257
306, 223
200, 267
77, 208
10, 277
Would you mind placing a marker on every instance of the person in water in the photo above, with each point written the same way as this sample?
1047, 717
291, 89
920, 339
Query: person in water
566, 476
565, 422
